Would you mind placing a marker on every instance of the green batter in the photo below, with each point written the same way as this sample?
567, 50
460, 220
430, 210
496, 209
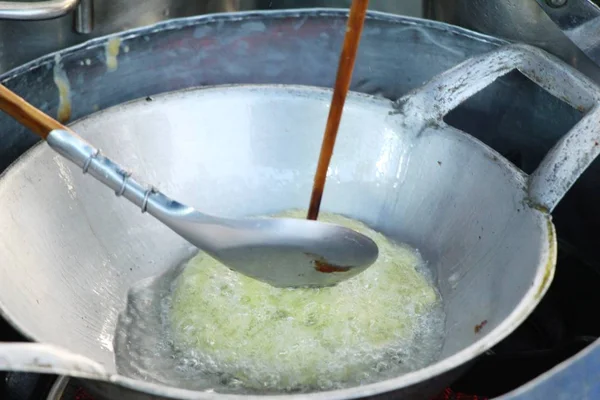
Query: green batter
266, 338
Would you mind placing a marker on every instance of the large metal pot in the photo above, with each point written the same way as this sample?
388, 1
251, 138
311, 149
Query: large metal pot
305, 45
72, 257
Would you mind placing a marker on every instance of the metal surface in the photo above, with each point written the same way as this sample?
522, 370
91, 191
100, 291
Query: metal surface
579, 20
522, 21
576, 378
407, 150
84, 17
556, 3
58, 388
297, 47
283, 252
36, 10
23, 41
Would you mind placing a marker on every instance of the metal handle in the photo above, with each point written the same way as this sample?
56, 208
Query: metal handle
567, 160
36, 10
89, 159
48, 359
111, 174
84, 17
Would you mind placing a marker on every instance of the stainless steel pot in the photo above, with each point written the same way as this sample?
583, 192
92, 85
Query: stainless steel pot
417, 179
305, 45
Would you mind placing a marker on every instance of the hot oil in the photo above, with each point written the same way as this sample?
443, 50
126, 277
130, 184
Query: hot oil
203, 327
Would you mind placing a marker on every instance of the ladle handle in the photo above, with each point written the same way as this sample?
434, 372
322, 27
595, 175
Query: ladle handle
111, 174
36, 120
48, 359
74, 148
573, 153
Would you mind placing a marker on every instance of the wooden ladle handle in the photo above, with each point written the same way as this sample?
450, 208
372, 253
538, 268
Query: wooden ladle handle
354, 27
36, 120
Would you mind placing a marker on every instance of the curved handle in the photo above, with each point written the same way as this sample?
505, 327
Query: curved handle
567, 160
36, 10
48, 359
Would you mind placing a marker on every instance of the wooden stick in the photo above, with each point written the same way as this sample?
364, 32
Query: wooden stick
34, 119
356, 20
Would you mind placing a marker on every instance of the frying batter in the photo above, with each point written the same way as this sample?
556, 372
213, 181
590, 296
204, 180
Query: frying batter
261, 337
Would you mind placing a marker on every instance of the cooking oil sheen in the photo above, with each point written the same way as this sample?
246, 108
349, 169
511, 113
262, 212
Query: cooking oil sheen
202, 326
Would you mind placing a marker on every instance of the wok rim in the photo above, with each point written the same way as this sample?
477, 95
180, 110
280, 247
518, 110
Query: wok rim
542, 280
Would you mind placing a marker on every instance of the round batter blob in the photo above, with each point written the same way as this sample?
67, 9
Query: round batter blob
385, 321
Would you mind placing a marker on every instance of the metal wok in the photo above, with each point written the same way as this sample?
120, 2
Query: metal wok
483, 225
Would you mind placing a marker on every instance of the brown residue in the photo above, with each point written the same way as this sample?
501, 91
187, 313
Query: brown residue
480, 326
354, 27
327, 268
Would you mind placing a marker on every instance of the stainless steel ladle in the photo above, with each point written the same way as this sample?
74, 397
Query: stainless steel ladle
283, 252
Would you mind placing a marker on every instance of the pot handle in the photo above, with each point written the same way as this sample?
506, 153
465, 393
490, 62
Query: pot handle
36, 10
47, 359
569, 157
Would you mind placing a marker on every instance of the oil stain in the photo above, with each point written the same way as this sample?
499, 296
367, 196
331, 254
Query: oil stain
64, 91
112, 51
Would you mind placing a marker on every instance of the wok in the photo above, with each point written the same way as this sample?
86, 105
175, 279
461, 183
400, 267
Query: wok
482, 224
